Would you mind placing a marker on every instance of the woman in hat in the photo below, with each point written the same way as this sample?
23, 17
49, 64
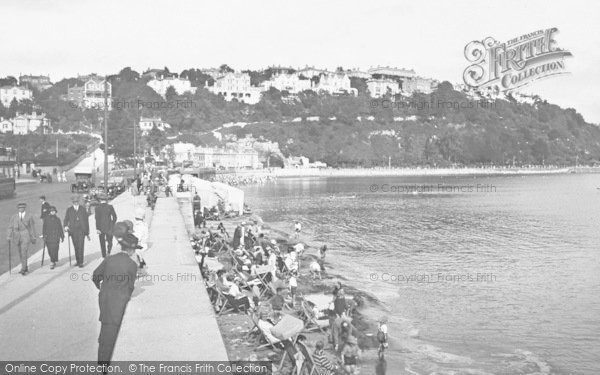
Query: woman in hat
350, 356
53, 234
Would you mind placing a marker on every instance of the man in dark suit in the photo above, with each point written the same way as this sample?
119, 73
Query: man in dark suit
115, 277
53, 234
106, 217
21, 233
45, 207
76, 223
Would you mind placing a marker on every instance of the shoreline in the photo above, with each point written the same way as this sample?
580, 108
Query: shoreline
411, 172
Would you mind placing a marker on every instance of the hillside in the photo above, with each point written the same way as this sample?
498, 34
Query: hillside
446, 127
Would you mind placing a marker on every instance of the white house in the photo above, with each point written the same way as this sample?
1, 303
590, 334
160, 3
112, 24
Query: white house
148, 123
236, 86
180, 85
91, 94
310, 72
380, 87
6, 126
392, 73
25, 124
335, 84
291, 83
8, 93
39, 82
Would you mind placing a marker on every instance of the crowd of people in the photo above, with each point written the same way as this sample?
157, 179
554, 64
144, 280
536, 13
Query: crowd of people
261, 280
115, 289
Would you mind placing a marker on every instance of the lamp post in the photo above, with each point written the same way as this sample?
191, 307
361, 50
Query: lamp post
135, 140
105, 135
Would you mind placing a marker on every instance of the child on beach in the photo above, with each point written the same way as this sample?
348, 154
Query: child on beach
382, 337
315, 269
293, 282
297, 229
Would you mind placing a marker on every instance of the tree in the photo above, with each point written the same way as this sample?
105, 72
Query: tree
8, 81
127, 74
225, 69
155, 140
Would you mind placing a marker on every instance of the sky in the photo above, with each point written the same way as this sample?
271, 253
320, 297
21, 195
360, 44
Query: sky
65, 38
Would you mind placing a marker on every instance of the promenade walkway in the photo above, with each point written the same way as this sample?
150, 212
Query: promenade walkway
170, 317
53, 314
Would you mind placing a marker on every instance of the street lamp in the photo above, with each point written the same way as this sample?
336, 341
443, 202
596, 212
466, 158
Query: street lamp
105, 135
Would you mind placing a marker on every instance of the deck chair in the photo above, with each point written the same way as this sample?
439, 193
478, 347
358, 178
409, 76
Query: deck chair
262, 274
252, 316
224, 303
247, 284
270, 343
288, 350
308, 367
312, 323
234, 303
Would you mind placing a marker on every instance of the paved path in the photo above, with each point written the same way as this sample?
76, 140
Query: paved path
53, 314
170, 317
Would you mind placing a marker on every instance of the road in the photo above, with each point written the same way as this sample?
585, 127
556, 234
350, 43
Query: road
58, 194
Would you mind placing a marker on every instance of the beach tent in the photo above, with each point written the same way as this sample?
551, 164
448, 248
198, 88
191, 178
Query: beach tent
211, 192
230, 195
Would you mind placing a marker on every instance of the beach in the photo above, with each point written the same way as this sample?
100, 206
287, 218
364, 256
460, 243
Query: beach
235, 327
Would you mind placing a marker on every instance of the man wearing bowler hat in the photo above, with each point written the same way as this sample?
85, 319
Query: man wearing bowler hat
76, 223
115, 277
53, 234
21, 233
106, 217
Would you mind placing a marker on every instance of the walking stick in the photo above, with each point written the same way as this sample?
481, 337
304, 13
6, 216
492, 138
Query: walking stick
43, 250
9, 258
69, 243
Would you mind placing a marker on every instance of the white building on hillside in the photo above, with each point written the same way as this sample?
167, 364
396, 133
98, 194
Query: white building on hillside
236, 86
180, 85
291, 83
8, 93
39, 82
91, 94
148, 123
26, 124
380, 87
309, 72
6, 126
335, 84
392, 73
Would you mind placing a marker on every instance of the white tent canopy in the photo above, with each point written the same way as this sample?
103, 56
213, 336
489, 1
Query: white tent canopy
211, 192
